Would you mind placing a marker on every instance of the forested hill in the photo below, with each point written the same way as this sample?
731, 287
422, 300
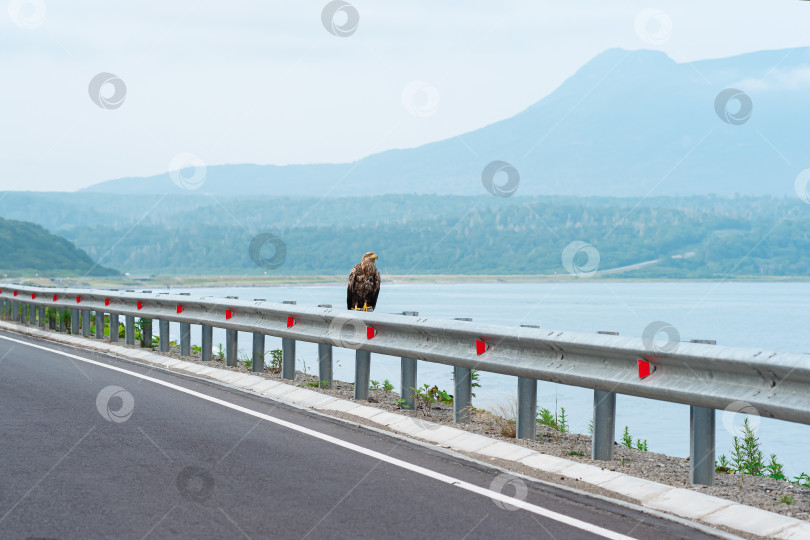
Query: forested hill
656, 238
28, 249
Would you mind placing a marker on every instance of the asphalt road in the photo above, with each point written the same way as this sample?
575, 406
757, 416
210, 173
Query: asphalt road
144, 460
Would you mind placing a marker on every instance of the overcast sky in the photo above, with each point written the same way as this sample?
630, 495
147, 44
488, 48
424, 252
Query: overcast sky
268, 82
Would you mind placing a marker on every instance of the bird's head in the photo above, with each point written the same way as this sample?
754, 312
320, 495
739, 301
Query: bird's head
370, 257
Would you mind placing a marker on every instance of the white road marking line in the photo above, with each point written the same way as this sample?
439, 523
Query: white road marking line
540, 511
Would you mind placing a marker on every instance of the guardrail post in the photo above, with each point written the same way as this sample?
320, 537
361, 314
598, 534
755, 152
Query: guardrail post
701, 440
115, 327
231, 346
362, 373
100, 325
75, 325
185, 339
258, 352
407, 372
146, 329
604, 425
60, 324
325, 360
185, 335
163, 327
527, 408
288, 353
41, 317
207, 342
15, 310
85, 323
604, 421
287, 358
462, 400
32, 314
324, 365
129, 330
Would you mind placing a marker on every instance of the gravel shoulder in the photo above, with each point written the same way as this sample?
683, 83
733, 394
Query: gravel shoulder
761, 492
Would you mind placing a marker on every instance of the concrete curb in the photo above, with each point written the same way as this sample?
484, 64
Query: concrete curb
679, 502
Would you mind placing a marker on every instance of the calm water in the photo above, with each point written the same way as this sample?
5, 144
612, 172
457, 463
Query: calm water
768, 315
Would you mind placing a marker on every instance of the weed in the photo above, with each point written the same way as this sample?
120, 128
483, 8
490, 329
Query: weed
221, 353
506, 418
641, 445
195, 349
575, 453
775, 469
474, 381
802, 480
562, 423
786, 499
723, 465
509, 429
275, 360
590, 427
546, 417
424, 398
746, 457
375, 385
387, 386
401, 403
627, 439
246, 359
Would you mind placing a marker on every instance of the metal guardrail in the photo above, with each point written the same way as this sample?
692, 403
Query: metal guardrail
706, 377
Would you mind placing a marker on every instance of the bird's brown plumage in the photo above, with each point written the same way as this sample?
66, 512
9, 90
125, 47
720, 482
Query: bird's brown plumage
364, 284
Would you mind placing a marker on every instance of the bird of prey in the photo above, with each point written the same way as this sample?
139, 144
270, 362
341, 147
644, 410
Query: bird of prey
364, 284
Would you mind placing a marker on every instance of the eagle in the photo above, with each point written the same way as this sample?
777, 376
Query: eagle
364, 284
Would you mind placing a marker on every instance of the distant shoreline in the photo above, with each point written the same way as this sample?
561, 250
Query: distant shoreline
326, 280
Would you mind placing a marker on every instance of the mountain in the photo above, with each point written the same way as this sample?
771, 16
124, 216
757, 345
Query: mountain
627, 123
29, 249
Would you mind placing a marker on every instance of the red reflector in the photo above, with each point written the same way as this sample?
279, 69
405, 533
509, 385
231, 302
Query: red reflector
480, 347
370, 332
140, 305
33, 296
15, 293
106, 301
290, 321
644, 368
228, 313
78, 299
179, 308
54, 298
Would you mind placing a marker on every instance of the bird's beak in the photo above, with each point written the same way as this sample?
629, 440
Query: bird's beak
374, 257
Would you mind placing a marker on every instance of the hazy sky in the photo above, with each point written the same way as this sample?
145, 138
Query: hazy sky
267, 82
